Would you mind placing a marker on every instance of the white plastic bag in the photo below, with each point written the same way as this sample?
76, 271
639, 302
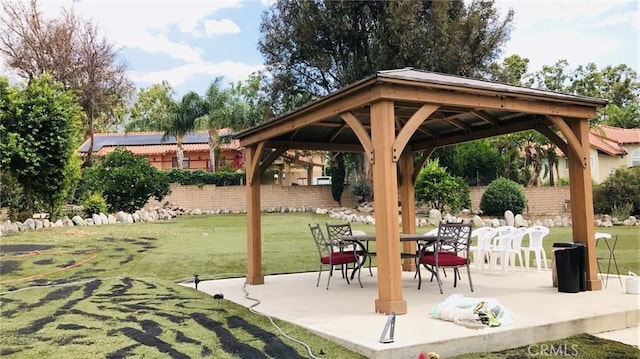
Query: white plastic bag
457, 307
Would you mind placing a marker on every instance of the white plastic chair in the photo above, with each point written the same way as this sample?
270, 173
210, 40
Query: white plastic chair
504, 251
483, 237
503, 231
515, 248
536, 237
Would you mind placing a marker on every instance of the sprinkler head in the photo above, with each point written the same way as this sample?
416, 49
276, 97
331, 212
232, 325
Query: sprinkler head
196, 280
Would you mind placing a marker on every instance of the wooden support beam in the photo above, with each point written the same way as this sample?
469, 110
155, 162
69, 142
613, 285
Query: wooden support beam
385, 192
582, 218
485, 118
270, 158
254, 163
485, 100
318, 146
557, 140
361, 133
572, 140
459, 124
410, 128
476, 135
254, 240
311, 115
408, 205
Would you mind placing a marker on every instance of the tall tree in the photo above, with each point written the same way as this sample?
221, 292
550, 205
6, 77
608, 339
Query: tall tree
150, 108
181, 120
619, 84
513, 70
39, 128
72, 50
219, 116
314, 47
311, 48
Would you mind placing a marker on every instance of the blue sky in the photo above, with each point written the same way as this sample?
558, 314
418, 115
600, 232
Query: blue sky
190, 42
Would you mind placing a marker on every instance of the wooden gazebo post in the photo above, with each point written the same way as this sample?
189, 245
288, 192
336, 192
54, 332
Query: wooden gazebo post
254, 240
385, 187
582, 202
408, 206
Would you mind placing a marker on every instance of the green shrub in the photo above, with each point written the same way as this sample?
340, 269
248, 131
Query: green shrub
200, 177
362, 189
621, 188
622, 212
126, 181
501, 195
94, 203
436, 187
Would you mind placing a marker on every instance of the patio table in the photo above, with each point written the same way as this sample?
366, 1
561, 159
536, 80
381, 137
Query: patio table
363, 240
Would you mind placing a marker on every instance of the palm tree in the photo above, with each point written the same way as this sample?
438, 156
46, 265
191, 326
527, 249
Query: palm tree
224, 111
181, 120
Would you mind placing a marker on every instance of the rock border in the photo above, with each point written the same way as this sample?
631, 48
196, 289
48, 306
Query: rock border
358, 215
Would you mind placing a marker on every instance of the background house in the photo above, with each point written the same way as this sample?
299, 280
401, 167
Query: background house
290, 169
162, 155
610, 148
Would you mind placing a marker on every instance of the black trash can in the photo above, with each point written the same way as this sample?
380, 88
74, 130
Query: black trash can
570, 260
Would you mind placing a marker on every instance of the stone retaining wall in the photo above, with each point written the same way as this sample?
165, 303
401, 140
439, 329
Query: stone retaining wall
542, 201
234, 199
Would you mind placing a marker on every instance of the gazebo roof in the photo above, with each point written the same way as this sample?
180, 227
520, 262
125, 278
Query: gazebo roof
460, 118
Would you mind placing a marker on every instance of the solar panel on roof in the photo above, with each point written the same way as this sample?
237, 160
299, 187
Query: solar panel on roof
142, 140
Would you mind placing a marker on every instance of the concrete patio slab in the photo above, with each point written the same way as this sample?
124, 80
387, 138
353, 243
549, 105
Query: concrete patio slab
345, 313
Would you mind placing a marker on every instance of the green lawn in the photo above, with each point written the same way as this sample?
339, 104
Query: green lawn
122, 298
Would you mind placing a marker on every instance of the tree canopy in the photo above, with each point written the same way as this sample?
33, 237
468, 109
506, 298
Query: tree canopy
311, 48
74, 52
40, 133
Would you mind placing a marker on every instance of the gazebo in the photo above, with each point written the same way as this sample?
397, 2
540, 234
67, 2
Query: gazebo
392, 114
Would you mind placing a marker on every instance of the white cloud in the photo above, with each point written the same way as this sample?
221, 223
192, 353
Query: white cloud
531, 13
580, 32
628, 18
218, 27
145, 24
547, 47
232, 71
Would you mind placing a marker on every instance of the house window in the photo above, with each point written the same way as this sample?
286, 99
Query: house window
566, 163
185, 162
635, 157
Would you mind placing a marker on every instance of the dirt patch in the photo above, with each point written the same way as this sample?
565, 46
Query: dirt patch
274, 347
228, 341
76, 233
59, 294
151, 328
43, 262
7, 267
151, 341
129, 259
22, 248
69, 340
72, 327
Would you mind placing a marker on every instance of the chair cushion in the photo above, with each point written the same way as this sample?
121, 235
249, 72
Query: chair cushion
445, 260
339, 258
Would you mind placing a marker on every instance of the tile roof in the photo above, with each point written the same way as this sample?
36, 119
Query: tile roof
127, 139
610, 140
619, 135
156, 149
606, 145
